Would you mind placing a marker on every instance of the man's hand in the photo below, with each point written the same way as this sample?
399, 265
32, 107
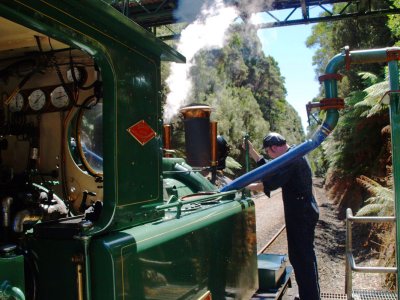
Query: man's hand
252, 152
256, 187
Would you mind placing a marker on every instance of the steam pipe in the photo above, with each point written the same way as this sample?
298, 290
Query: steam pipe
213, 142
213, 145
346, 57
86, 256
23, 217
167, 139
5, 205
247, 158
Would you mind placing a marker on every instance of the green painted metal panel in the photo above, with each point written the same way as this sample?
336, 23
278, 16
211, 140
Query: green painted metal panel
211, 249
139, 166
12, 271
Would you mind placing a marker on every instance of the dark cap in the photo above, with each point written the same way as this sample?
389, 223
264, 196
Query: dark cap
273, 139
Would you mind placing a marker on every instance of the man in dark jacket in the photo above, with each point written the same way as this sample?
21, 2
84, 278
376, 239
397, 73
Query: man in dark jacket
301, 211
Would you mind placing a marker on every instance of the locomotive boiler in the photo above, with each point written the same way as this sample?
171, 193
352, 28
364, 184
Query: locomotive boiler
91, 209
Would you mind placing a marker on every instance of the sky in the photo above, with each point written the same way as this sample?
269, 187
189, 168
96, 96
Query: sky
287, 45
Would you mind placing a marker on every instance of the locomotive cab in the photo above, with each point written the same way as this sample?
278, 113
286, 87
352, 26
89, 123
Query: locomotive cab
90, 208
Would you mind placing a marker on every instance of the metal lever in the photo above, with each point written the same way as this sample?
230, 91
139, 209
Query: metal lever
86, 193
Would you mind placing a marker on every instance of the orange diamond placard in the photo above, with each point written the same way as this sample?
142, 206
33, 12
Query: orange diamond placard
142, 132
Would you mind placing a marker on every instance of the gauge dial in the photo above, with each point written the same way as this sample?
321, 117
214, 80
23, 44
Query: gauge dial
17, 103
59, 97
37, 100
79, 74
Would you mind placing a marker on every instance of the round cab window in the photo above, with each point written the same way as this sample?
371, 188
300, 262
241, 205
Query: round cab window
90, 138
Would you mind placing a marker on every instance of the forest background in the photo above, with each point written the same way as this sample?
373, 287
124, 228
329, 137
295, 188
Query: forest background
247, 93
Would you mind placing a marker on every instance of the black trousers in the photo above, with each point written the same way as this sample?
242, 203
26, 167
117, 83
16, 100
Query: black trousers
301, 220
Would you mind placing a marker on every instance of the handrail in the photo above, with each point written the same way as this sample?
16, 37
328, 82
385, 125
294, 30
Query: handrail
350, 262
355, 268
179, 202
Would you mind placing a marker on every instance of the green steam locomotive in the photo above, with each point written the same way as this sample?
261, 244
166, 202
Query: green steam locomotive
90, 207
92, 204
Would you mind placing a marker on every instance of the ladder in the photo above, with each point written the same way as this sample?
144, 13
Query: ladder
352, 267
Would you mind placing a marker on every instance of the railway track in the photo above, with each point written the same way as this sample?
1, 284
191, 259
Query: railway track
270, 227
270, 223
272, 240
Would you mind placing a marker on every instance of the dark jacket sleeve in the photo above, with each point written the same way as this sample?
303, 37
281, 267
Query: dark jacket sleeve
275, 180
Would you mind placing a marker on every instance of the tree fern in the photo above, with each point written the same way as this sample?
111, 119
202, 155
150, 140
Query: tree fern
374, 93
381, 201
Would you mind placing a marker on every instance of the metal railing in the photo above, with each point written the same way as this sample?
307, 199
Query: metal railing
350, 262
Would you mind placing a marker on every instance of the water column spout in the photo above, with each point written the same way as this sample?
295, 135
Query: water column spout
330, 79
332, 115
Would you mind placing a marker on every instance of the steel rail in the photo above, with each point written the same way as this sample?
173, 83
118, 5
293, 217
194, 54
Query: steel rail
267, 245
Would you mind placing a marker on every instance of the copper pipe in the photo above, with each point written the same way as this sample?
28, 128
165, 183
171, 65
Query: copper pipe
213, 136
6, 211
196, 111
78, 260
167, 139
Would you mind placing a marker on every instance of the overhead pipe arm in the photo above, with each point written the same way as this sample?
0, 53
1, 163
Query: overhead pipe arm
330, 79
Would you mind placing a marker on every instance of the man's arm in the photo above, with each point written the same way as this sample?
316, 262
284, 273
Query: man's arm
252, 152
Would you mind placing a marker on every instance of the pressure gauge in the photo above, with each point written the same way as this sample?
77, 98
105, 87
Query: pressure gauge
79, 74
17, 103
59, 97
37, 100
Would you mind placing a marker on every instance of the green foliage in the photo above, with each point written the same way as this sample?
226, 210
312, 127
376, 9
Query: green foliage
381, 200
381, 203
394, 23
356, 140
357, 146
373, 99
237, 112
245, 89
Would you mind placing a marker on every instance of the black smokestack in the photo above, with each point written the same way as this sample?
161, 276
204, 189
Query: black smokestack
197, 134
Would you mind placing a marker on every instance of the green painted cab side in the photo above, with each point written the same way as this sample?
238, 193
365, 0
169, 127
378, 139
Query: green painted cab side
213, 249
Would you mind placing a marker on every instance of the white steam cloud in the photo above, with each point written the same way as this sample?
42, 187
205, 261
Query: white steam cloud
206, 32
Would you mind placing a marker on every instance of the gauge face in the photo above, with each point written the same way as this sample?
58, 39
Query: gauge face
77, 74
37, 100
17, 103
59, 97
